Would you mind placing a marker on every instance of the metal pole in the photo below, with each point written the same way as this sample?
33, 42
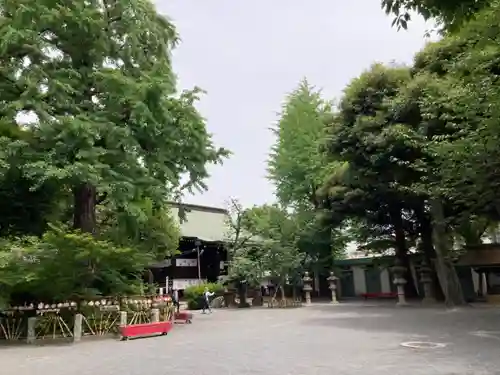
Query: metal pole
199, 266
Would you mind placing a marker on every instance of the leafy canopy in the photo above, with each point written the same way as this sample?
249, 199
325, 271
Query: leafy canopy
92, 127
296, 163
450, 14
95, 79
264, 244
298, 166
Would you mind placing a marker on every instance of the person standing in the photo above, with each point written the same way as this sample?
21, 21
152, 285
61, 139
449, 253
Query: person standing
175, 300
206, 300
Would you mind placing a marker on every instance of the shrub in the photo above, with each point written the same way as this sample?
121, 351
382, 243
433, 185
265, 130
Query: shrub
66, 265
194, 294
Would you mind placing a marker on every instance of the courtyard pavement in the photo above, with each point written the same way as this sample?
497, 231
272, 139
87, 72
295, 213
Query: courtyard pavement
352, 338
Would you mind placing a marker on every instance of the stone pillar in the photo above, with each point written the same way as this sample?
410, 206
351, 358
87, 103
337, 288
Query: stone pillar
307, 287
123, 318
77, 328
426, 279
31, 336
155, 315
332, 281
480, 284
484, 283
400, 282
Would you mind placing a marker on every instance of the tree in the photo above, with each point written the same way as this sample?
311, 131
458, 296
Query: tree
450, 14
297, 167
244, 251
95, 139
263, 243
379, 149
148, 228
106, 121
465, 171
458, 102
278, 235
469, 162
24, 210
83, 267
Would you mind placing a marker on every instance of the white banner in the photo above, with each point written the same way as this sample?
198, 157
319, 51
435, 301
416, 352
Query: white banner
181, 284
186, 262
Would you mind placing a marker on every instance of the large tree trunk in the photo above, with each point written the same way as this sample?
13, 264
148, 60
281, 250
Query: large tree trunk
427, 247
84, 210
402, 253
242, 294
448, 278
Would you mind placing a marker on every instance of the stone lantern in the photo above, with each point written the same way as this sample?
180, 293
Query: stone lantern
332, 279
400, 281
307, 280
426, 279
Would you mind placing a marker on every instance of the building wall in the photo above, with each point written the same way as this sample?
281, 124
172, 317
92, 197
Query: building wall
468, 278
359, 280
208, 225
205, 223
385, 281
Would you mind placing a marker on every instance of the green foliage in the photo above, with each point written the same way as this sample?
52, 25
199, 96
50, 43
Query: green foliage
419, 144
278, 233
146, 227
70, 265
296, 163
102, 94
469, 162
376, 140
456, 94
94, 135
244, 248
265, 245
24, 210
194, 294
298, 167
450, 14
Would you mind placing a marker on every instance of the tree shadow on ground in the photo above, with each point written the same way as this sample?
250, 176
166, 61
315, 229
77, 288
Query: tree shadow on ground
407, 320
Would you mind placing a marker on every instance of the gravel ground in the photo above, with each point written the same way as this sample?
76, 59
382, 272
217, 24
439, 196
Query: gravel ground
352, 338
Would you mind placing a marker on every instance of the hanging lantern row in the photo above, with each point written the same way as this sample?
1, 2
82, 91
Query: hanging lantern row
22, 308
102, 302
138, 302
99, 303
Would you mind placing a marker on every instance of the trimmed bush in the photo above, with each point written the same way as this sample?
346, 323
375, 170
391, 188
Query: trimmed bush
194, 294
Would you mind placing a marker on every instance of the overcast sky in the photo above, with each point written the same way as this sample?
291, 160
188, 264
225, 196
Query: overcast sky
248, 55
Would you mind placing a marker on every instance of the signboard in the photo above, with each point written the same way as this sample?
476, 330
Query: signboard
186, 262
181, 284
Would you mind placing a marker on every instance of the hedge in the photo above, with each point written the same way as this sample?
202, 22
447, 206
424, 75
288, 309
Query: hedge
194, 294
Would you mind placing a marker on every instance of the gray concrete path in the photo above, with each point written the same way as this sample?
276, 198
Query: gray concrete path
317, 340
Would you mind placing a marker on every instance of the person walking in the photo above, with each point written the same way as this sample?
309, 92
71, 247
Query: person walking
206, 300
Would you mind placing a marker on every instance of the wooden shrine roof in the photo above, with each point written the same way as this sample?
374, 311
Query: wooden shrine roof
481, 255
